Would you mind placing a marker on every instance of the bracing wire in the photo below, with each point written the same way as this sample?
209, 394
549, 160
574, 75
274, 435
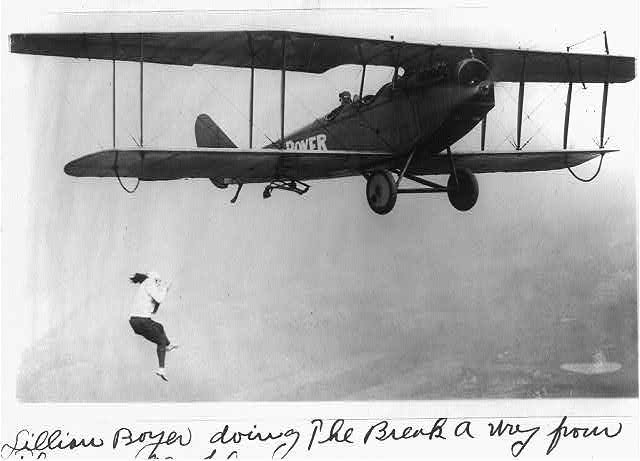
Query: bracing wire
501, 125
83, 120
584, 41
165, 126
235, 107
529, 114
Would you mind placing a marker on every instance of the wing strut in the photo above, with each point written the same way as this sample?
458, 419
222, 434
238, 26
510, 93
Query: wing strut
567, 109
251, 92
520, 102
483, 131
141, 77
113, 93
282, 86
605, 93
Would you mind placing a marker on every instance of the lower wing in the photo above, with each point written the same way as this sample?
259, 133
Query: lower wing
226, 164
234, 165
507, 162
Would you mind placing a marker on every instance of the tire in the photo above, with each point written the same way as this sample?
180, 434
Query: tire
466, 196
381, 192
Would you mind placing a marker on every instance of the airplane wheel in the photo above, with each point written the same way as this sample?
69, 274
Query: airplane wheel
381, 192
218, 183
466, 196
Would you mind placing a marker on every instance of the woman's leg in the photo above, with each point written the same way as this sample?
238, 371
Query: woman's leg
162, 351
160, 338
154, 332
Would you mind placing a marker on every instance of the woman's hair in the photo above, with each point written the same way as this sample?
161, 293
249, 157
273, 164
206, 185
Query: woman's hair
138, 277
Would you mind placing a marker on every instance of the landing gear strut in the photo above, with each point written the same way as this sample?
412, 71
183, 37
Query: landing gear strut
235, 197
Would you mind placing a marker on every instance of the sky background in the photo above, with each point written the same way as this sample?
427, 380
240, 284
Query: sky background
316, 296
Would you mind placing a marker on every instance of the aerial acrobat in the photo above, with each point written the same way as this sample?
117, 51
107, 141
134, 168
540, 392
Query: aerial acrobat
406, 129
151, 293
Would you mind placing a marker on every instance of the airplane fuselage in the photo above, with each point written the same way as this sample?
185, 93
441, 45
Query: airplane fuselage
428, 117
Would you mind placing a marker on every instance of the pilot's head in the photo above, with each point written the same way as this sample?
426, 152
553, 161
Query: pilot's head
345, 97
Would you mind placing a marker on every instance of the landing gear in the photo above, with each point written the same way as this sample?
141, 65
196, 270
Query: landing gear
465, 195
381, 192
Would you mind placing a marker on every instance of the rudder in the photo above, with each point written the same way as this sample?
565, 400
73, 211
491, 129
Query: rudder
208, 134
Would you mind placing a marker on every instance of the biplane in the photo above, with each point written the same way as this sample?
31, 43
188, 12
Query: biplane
404, 132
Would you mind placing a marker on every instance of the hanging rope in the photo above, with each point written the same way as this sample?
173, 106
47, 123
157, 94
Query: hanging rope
129, 191
582, 179
115, 169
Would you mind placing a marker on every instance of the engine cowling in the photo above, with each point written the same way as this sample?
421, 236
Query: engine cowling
472, 71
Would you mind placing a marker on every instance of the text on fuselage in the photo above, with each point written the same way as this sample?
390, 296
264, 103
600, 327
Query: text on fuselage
317, 142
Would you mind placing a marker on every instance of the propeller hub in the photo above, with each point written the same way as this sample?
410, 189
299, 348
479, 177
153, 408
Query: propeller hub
471, 72
484, 88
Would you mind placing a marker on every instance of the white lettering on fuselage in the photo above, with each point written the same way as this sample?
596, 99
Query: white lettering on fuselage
317, 142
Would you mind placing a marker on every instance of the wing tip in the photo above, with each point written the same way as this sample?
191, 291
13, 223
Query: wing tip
71, 168
13, 42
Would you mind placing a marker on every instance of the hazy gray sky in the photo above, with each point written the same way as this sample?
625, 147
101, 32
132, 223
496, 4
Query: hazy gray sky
69, 244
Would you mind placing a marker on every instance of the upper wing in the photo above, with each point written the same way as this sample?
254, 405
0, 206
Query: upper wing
510, 161
235, 165
318, 53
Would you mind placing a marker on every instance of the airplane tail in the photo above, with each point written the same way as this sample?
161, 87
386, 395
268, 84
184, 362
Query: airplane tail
208, 134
